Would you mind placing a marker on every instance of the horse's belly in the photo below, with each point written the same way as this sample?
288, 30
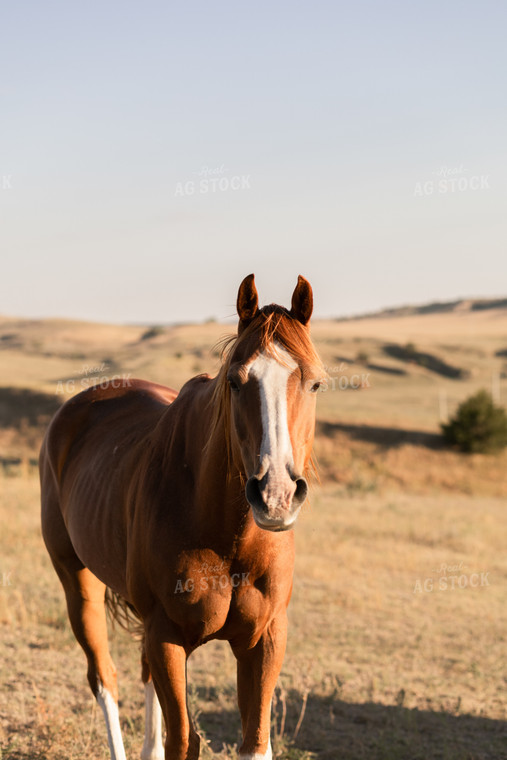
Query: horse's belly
99, 540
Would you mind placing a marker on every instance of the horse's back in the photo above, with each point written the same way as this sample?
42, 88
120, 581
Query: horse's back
109, 413
89, 458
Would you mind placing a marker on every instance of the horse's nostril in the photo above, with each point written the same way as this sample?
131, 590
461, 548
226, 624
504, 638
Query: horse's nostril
257, 497
253, 493
301, 491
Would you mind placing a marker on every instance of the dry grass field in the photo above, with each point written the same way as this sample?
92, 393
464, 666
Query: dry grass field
398, 623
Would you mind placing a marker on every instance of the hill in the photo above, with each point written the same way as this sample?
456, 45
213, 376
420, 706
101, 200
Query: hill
435, 307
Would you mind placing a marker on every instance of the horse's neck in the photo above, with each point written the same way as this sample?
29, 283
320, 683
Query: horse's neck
218, 499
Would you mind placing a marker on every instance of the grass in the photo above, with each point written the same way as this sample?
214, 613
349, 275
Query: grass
375, 668
384, 661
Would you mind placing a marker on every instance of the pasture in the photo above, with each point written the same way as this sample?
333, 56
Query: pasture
397, 635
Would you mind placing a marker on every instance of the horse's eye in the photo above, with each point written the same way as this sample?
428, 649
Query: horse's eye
315, 387
233, 385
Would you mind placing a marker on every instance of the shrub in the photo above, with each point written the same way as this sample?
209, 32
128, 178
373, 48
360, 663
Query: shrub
479, 425
152, 332
362, 358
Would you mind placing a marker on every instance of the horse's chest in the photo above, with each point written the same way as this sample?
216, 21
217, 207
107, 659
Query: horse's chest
200, 599
210, 597
222, 605
249, 613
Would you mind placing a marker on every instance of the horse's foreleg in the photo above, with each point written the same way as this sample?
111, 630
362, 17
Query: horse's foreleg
258, 670
167, 662
153, 749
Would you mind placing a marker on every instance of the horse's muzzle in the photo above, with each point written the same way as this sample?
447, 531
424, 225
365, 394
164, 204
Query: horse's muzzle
276, 502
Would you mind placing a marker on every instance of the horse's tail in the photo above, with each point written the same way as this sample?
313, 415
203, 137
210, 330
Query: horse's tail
125, 614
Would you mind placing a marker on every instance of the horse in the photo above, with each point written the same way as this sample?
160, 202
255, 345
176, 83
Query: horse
180, 506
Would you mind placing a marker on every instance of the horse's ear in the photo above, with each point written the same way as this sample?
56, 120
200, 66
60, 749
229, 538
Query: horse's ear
248, 302
302, 301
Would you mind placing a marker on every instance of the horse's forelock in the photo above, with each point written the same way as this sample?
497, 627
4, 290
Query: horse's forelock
274, 326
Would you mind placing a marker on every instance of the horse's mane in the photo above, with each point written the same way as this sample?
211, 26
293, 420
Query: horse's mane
273, 326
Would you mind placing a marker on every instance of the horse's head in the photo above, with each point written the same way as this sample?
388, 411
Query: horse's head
273, 373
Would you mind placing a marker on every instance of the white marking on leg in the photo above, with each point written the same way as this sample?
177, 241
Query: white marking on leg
153, 749
268, 755
112, 718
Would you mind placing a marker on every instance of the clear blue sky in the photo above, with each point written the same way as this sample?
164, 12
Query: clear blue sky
336, 120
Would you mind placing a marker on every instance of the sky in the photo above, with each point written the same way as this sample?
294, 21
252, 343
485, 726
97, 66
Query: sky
153, 154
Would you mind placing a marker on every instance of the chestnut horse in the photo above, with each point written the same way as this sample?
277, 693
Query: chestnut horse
181, 504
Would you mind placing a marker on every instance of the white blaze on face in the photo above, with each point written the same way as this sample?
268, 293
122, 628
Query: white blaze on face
273, 375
